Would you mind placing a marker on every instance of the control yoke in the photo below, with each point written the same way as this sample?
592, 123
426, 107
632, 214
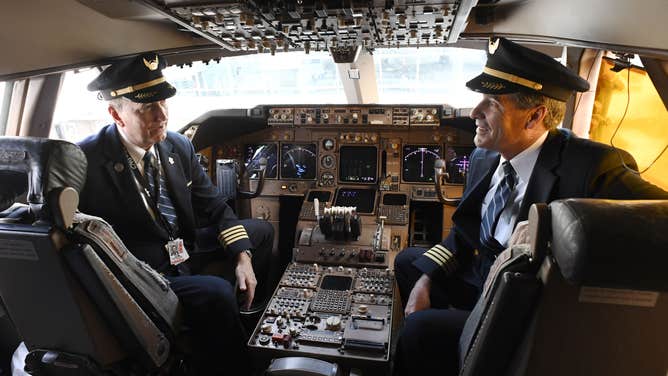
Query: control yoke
260, 181
440, 180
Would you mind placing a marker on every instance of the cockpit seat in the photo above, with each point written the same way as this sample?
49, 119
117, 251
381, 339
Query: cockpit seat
586, 297
78, 299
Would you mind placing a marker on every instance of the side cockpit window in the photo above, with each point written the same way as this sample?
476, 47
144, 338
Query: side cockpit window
78, 112
629, 114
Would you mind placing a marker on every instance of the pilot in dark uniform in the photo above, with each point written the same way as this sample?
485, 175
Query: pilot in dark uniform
521, 158
147, 183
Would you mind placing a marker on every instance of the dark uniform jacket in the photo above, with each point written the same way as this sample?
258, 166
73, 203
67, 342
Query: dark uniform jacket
567, 167
110, 192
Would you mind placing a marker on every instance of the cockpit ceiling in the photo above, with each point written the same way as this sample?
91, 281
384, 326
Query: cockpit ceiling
338, 26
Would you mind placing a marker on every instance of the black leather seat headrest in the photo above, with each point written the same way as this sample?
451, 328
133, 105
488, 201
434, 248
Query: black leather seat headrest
49, 164
606, 243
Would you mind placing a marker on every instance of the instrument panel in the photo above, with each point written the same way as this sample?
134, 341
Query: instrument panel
330, 116
391, 147
365, 176
340, 313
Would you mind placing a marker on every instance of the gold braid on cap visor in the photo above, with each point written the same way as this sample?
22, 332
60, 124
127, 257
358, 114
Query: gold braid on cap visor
512, 78
132, 88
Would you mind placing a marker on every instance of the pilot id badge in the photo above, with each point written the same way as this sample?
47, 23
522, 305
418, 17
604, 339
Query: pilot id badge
177, 251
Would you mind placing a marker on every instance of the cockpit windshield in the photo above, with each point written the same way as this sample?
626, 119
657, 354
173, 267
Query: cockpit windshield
405, 75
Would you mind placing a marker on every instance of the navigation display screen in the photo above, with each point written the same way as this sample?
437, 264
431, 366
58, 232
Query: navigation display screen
363, 198
358, 164
457, 163
418, 163
255, 152
298, 161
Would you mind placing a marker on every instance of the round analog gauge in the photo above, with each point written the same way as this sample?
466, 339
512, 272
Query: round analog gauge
327, 179
327, 161
328, 144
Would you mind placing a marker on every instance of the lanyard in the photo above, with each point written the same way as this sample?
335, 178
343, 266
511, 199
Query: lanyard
151, 199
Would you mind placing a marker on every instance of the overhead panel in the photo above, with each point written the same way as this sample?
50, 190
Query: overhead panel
338, 26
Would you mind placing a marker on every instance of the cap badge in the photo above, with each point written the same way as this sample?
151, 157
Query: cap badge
493, 45
151, 64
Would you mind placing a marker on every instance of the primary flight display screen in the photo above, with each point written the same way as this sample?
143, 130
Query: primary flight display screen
457, 163
255, 152
363, 198
298, 161
358, 164
418, 163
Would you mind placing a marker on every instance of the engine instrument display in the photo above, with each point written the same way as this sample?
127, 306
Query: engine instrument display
298, 161
457, 163
255, 152
358, 164
418, 163
362, 198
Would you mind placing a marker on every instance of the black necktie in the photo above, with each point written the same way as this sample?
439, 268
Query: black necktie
164, 203
494, 209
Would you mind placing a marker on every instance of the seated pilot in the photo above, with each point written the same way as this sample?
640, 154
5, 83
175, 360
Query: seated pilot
147, 183
521, 158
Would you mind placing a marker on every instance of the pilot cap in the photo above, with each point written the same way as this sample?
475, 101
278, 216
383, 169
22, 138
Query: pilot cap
512, 68
137, 78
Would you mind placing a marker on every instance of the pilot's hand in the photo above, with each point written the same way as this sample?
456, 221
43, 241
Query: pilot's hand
419, 297
520, 235
246, 278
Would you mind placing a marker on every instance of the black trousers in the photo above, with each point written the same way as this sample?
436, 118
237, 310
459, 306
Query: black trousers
212, 259
211, 307
211, 312
428, 342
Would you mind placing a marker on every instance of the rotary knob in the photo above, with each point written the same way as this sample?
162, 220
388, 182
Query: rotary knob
266, 328
264, 339
333, 323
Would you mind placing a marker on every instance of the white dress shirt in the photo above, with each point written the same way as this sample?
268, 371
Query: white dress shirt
137, 154
523, 164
